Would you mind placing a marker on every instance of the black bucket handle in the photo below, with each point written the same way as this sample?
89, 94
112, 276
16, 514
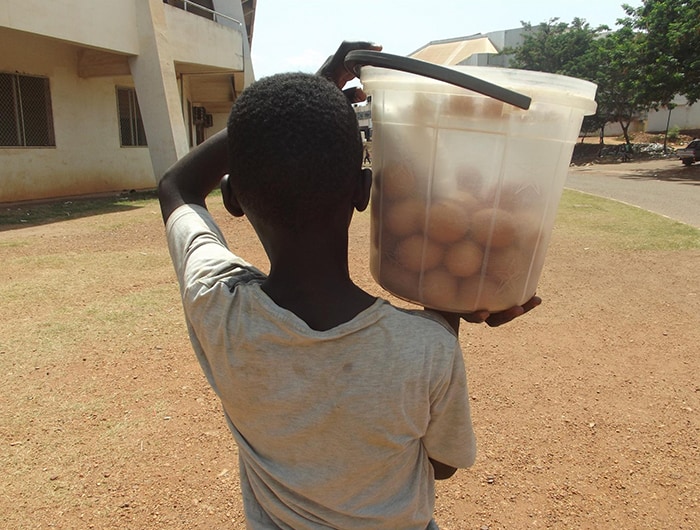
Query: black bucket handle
354, 60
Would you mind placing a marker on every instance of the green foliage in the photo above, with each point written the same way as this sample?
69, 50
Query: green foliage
671, 48
558, 47
653, 56
620, 77
673, 133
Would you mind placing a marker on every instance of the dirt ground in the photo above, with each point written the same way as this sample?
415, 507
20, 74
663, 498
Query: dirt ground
586, 409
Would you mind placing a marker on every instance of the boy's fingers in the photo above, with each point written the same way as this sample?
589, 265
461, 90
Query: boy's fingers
334, 67
477, 317
498, 319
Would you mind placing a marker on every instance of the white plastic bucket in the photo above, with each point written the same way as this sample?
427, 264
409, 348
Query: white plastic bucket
466, 187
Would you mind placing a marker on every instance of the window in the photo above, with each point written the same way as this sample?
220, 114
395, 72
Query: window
131, 131
25, 111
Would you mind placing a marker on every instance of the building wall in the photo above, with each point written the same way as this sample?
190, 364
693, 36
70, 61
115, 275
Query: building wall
107, 24
684, 117
89, 48
87, 157
196, 40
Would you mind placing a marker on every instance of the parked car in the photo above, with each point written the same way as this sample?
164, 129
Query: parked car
691, 153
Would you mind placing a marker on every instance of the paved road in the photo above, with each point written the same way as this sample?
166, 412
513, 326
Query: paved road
661, 186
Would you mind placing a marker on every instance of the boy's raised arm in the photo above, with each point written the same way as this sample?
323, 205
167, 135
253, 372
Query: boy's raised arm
195, 175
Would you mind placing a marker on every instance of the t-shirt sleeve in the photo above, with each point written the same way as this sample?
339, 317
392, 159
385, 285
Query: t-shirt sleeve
450, 437
199, 251
206, 270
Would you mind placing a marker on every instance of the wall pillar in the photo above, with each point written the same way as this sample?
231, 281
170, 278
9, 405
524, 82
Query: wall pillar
157, 90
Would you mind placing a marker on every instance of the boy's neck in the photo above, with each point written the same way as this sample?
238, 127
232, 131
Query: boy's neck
312, 281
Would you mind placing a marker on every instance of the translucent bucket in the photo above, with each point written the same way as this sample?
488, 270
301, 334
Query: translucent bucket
466, 187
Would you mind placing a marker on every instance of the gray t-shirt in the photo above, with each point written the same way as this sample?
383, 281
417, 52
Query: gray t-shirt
334, 428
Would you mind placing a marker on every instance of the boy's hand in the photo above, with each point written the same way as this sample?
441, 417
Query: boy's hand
502, 317
491, 319
334, 68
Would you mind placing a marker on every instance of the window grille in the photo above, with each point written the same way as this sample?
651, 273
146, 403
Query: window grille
131, 131
26, 118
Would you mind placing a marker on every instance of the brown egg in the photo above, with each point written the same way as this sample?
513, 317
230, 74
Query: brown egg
521, 196
463, 258
476, 294
493, 226
447, 221
490, 108
527, 230
396, 181
439, 289
461, 105
469, 179
424, 108
398, 280
405, 217
466, 200
506, 264
417, 253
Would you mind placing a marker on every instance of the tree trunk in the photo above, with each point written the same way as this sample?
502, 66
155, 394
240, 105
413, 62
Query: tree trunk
625, 130
668, 122
601, 144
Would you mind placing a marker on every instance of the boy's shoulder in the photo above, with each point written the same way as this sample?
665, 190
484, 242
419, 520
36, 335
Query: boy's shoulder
421, 320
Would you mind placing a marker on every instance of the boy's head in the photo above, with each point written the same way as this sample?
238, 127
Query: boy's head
295, 150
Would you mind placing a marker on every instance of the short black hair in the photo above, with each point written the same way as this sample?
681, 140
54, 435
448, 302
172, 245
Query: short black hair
294, 149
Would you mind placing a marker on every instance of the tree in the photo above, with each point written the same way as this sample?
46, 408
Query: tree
671, 47
572, 50
556, 47
620, 78
669, 33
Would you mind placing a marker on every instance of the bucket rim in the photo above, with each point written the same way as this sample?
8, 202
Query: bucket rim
540, 86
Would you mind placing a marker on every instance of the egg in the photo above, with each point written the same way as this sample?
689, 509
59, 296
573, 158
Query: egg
468, 178
424, 108
405, 217
493, 226
506, 264
398, 280
521, 196
417, 253
439, 289
396, 181
527, 230
490, 108
447, 221
463, 258
477, 293
461, 105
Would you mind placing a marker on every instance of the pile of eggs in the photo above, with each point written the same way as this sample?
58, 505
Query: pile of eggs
463, 250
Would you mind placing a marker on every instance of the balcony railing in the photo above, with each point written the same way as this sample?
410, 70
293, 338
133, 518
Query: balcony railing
202, 11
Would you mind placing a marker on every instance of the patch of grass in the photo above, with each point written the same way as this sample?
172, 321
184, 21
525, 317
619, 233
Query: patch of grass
622, 226
54, 211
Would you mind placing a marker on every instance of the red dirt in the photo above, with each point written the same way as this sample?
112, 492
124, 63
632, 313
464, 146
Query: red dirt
586, 409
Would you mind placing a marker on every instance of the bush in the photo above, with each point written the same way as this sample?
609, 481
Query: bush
673, 133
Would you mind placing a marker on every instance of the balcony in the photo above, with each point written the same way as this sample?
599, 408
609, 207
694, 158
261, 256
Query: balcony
203, 8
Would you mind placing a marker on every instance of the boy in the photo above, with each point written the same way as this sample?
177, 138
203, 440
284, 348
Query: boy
344, 408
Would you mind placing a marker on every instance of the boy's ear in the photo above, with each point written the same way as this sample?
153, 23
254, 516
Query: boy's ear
230, 201
362, 191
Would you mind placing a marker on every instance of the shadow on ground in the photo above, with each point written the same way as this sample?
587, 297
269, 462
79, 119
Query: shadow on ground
681, 174
17, 216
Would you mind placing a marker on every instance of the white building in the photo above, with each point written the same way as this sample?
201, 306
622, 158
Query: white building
98, 96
